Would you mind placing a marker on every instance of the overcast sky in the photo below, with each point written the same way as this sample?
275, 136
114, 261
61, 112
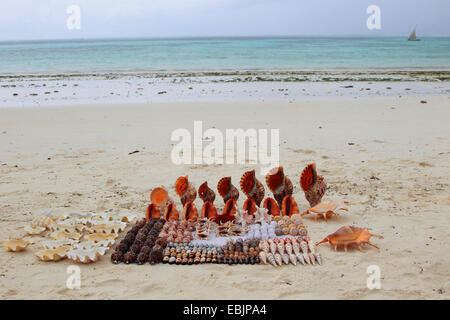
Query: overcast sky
46, 19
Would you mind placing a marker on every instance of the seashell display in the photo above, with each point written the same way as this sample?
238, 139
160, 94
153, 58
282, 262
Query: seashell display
185, 190
279, 184
42, 221
271, 206
152, 211
16, 245
313, 185
289, 206
171, 213
227, 190
206, 193
60, 235
34, 230
252, 187
190, 212
209, 211
250, 206
98, 237
326, 209
56, 254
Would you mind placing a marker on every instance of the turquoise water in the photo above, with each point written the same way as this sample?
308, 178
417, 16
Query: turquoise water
300, 53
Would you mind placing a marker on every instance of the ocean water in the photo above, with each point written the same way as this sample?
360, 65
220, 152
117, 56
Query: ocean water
222, 54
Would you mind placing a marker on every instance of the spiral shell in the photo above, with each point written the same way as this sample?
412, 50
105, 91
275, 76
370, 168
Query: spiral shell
279, 184
263, 257
206, 193
280, 248
285, 258
185, 190
293, 259
271, 259
296, 248
265, 247
278, 259
252, 187
227, 190
273, 247
288, 247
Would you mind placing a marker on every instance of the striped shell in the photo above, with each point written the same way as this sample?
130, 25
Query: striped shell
313, 185
279, 184
271, 259
285, 258
252, 187
263, 257
227, 190
288, 247
296, 248
265, 246
273, 247
185, 190
278, 259
293, 259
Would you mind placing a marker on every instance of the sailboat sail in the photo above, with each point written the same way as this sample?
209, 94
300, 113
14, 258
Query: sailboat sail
412, 36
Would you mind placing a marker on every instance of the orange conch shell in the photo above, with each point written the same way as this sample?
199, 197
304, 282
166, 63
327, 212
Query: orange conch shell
209, 211
206, 193
190, 212
348, 235
250, 206
152, 212
228, 212
279, 184
252, 187
227, 190
312, 184
326, 209
185, 190
272, 207
171, 213
160, 198
289, 206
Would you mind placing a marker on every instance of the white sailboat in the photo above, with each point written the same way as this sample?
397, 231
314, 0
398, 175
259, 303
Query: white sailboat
412, 36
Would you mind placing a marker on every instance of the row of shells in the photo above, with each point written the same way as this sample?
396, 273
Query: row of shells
293, 250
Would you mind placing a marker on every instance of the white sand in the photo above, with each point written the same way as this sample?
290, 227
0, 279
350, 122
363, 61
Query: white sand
396, 175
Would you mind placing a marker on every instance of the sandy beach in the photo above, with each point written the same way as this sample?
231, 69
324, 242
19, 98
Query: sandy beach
389, 156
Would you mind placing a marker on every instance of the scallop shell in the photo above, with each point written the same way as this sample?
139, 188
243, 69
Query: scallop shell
227, 190
59, 235
209, 211
190, 212
271, 206
16, 245
206, 193
42, 221
171, 213
289, 206
53, 254
34, 230
185, 190
98, 237
252, 187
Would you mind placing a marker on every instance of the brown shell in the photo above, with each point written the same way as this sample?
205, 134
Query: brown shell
227, 190
289, 206
209, 211
313, 185
190, 212
279, 184
272, 207
250, 206
228, 212
348, 235
252, 187
185, 190
152, 212
171, 213
206, 193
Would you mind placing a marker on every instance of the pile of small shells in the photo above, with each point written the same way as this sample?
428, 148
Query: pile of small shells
290, 225
178, 231
188, 254
142, 243
229, 229
203, 228
279, 251
240, 251
262, 231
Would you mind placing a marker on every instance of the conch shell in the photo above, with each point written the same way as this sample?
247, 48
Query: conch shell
190, 212
209, 211
252, 187
326, 209
279, 184
160, 198
53, 254
289, 206
171, 213
16, 245
185, 190
272, 207
206, 193
152, 212
250, 206
227, 190
313, 185
228, 212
